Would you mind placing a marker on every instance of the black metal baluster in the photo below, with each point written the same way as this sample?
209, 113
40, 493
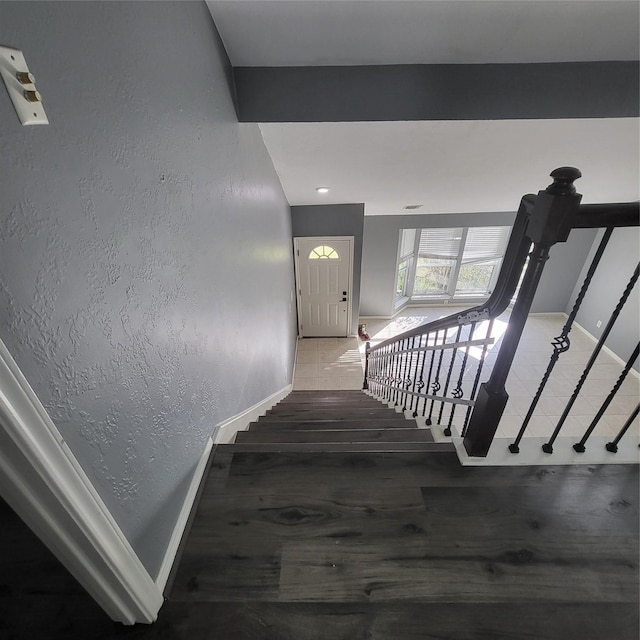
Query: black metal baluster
391, 364
452, 362
376, 376
419, 382
374, 362
397, 372
458, 393
428, 385
413, 372
389, 373
476, 381
436, 386
613, 446
385, 364
579, 446
548, 447
406, 381
365, 383
402, 364
388, 378
382, 372
562, 343
388, 368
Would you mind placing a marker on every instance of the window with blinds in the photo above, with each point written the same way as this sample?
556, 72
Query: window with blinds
451, 262
481, 259
405, 261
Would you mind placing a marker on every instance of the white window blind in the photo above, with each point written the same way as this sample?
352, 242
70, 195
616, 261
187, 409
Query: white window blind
440, 243
484, 243
407, 242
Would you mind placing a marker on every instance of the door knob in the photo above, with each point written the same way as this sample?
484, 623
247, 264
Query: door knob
344, 299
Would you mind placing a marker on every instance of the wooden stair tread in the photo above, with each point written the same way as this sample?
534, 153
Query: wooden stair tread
323, 414
334, 422
343, 435
340, 447
329, 405
330, 425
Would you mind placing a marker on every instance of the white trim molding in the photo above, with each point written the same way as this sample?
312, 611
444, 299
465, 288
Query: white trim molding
43, 482
183, 517
226, 431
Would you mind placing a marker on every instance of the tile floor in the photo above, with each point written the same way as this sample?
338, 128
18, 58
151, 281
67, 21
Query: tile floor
329, 363
337, 363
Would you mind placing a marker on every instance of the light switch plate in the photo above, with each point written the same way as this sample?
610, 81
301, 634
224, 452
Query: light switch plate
12, 61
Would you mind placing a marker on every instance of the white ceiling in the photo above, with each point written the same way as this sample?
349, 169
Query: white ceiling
346, 32
452, 166
449, 166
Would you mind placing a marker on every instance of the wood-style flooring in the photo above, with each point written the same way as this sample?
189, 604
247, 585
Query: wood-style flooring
291, 543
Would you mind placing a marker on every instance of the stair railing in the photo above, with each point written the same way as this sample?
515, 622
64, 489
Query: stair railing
435, 368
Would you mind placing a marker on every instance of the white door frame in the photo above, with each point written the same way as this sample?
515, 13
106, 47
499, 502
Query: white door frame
323, 240
45, 485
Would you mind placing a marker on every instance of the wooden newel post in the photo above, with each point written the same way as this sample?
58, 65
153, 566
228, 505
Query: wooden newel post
365, 384
551, 220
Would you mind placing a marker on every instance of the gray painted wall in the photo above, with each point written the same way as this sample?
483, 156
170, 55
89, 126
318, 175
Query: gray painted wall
335, 220
146, 272
379, 259
616, 267
438, 92
561, 271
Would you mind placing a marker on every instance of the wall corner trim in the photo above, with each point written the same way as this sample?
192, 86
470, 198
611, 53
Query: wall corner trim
226, 431
43, 482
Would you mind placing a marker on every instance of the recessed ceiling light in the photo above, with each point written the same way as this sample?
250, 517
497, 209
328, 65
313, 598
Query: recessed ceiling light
322, 189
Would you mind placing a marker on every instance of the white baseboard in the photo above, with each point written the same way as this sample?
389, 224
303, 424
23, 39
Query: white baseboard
366, 319
183, 517
606, 349
545, 314
226, 431
295, 363
45, 485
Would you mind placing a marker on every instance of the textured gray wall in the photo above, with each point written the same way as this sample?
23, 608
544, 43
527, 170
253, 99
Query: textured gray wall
380, 255
335, 220
438, 92
616, 267
146, 274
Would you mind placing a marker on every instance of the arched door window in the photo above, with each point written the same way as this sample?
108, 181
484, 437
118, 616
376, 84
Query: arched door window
324, 252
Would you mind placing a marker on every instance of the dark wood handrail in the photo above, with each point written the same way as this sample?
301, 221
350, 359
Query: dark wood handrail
618, 214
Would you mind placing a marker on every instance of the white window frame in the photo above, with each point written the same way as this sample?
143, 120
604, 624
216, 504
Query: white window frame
450, 295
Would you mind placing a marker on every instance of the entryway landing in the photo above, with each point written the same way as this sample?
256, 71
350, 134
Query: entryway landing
329, 364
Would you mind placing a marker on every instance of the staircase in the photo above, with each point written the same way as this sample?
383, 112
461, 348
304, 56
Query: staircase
334, 517
340, 421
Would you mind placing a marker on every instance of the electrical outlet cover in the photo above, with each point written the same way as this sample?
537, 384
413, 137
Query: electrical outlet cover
12, 61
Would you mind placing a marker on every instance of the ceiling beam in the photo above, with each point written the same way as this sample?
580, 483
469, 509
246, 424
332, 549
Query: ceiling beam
438, 92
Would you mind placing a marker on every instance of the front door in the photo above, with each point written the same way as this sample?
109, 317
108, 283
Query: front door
323, 277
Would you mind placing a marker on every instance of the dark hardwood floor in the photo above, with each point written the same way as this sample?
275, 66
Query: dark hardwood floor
332, 545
